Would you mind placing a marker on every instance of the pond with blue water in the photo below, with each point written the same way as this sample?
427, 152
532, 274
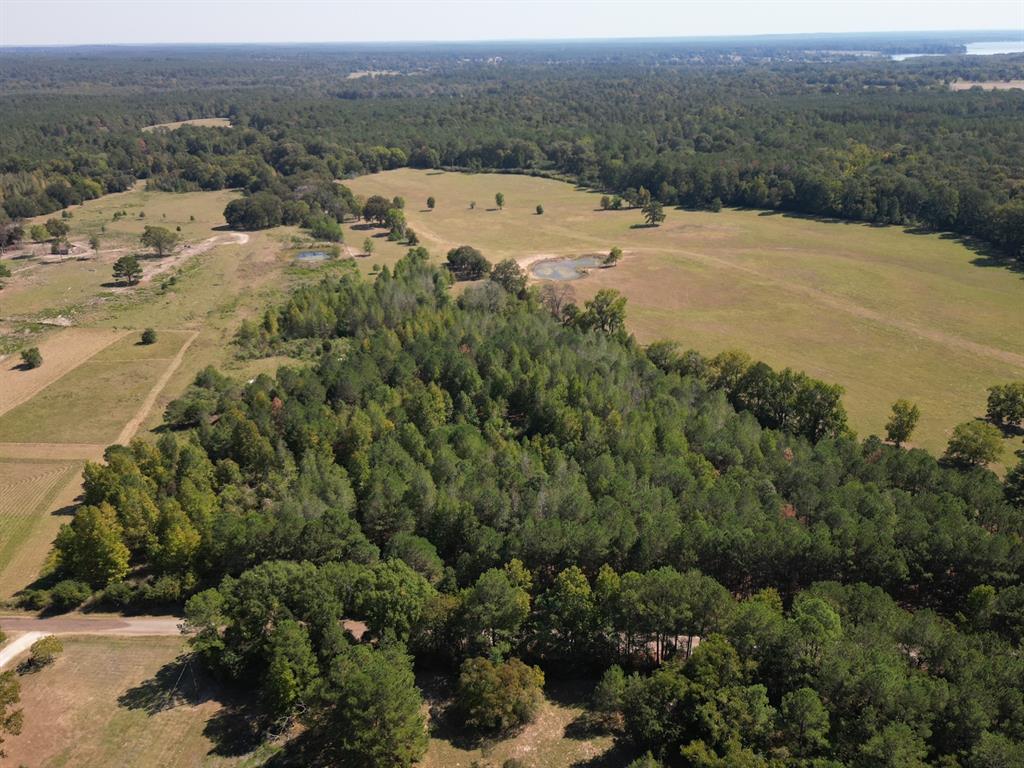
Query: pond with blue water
311, 256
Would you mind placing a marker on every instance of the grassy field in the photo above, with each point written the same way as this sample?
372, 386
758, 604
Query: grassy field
113, 701
30, 493
883, 312
207, 122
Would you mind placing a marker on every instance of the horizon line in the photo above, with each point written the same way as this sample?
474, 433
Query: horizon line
522, 40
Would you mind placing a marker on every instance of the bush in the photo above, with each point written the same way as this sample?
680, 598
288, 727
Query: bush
148, 336
498, 696
35, 599
31, 357
120, 595
165, 590
45, 651
68, 594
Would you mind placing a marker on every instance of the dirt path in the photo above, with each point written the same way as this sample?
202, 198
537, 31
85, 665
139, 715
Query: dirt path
188, 251
129, 429
84, 624
17, 646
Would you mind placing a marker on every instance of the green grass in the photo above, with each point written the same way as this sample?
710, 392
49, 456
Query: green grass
885, 313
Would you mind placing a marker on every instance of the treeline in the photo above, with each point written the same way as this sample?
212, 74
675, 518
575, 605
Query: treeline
487, 487
873, 141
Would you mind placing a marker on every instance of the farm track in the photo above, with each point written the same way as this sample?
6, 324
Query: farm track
129, 429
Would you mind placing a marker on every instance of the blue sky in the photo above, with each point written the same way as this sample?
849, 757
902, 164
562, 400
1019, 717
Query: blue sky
62, 22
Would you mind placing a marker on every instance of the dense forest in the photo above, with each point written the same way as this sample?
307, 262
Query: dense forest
765, 124
506, 493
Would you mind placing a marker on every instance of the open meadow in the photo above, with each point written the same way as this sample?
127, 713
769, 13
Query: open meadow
881, 311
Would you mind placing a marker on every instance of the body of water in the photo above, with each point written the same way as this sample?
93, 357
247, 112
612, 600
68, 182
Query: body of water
565, 269
311, 256
991, 48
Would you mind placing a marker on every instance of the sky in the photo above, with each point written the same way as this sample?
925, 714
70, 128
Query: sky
78, 22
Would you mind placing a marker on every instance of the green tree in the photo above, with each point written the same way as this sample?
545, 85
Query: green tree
902, 422
11, 719
540, 209
1005, 406
369, 711
498, 696
804, 721
160, 239
509, 275
396, 223
654, 212
45, 651
57, 228
369, 246
39, 233
94, 242
31, 357
613, 257
431, 202
127, 268
148, 336
974, 443
292, 670
494, 608
499, 200
467, 263
91, 548
606, 202
376, 209
606, 312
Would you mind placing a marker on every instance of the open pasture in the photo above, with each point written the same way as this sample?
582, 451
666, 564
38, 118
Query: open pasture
884, 312
91, 403
30, 493
203, 122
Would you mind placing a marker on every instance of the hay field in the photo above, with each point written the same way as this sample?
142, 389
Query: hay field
205, 122
885, 313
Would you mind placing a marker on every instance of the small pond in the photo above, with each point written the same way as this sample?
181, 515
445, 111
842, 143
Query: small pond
565, 269
312, 256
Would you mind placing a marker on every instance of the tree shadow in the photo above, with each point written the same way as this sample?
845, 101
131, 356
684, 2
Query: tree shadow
363, 227
618, 756
644, 226
176, 683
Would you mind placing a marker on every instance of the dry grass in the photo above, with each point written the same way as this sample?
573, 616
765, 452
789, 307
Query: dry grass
32, 495
206, 122
62, 352
986, 85
885, 313
108, 701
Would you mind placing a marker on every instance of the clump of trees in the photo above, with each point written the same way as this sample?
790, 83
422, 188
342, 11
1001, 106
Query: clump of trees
1005, 405
467, 263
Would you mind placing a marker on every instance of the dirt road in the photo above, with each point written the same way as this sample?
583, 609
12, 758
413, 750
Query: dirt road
85, 624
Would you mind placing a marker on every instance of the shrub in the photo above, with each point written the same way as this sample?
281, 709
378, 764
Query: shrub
120, 594
148, 336
31, 357
498, 696
45, 651
35, 599
68, 594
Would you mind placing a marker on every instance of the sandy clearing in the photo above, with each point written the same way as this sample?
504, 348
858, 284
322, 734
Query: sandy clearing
62, 353
17, 646
129, 429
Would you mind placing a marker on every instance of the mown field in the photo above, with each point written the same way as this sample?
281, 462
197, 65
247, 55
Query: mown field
884, 312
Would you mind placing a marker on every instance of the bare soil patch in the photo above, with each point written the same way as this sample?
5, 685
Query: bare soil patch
986, 85
206, 122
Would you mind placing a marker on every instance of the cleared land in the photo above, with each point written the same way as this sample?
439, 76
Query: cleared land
207, 122
92, 403
883, 312
986, 85
62, 352
119, 701
32, 494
